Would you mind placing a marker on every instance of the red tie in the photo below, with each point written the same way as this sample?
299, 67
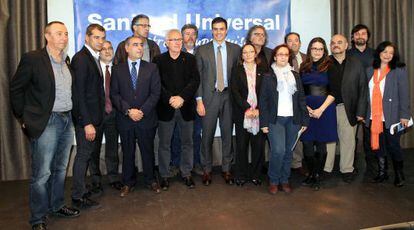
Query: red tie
108, 104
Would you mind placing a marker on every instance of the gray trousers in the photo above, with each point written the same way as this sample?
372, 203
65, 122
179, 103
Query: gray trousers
219, 107
165, 133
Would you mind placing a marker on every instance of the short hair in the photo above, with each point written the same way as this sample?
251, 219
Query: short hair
47, 27
169, 32
277, 48
358, 28
136, 18
291, 33
129, 39
218, 20
107, 41
395, 61
189, 26
92, 27
250, 32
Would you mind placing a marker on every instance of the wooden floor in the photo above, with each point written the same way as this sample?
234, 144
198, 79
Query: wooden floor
219, 206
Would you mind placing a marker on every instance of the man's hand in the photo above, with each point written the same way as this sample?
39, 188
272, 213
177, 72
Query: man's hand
135, 114
90, 132
359, 118
201, 110
176, 102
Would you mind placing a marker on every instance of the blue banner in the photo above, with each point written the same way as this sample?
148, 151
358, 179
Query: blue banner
116, 15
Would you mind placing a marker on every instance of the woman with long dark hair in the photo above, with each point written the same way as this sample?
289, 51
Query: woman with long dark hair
388, 104
321, 108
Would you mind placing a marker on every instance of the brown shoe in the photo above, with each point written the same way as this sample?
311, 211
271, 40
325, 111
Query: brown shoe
206, 178
126, 190
155, 187
228, 178
273, 189
286, 188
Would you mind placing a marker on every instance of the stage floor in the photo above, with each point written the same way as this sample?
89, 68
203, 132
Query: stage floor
219, 206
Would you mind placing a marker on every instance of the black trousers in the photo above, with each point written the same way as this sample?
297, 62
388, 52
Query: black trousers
257, 143
387, 144
314, 152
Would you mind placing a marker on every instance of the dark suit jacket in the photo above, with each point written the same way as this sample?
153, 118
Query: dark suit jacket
32, 91
240, 91
206, 63
354, 89
90, 94
145, 97
269, 99
121, 56
185, 85
396, 97
295, 65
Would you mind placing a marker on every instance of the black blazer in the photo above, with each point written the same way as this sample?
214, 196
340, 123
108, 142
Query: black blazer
89, 85
32, 91
240, 91
121, 56
354, 89
145, 97
269, 99
185, 85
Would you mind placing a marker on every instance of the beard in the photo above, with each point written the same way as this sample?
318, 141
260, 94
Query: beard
360, 42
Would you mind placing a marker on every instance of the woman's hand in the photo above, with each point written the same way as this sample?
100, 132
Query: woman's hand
404, 122
265, 129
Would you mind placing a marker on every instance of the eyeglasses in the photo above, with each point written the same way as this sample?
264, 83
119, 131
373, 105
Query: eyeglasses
175, 39
317, 49
282, 55
259, 34
144, 25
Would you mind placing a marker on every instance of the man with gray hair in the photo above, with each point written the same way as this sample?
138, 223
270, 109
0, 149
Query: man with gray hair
179, 80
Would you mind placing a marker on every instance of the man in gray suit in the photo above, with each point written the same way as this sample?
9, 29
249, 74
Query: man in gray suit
215, 61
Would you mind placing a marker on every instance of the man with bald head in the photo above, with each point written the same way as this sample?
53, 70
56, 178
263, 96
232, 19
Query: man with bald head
179, 80
41, 98
349, 87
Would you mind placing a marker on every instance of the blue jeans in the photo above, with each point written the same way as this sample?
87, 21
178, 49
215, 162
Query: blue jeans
50, 156
282, 136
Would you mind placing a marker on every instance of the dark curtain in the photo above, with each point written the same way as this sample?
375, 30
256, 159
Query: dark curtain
388, 20
21, 30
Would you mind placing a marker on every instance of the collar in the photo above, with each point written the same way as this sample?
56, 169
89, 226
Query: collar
138, 61
94, 54
64, 55
215, 44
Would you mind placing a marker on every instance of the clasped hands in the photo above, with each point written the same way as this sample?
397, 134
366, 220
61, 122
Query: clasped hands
176, 102
315, 113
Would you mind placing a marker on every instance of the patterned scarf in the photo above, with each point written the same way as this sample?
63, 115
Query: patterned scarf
251, 124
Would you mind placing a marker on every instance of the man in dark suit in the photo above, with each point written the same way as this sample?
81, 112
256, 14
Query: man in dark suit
140, 28
135, 90
215, 61
179, 80
41, 98
348, 84
90, 104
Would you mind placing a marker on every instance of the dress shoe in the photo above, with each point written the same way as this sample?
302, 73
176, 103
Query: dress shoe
206, 179
41, 226
188, 181
96, 190
116, 185
125, 190
155, 187
165, 184
286, 188
273, 189
85, 203
308, 181
228, 178
240, 182
67, 212
348, 177
257, 182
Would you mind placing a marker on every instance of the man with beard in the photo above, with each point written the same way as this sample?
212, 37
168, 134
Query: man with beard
359, 38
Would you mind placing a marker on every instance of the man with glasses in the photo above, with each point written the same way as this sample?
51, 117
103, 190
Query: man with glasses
179, 80
140, 28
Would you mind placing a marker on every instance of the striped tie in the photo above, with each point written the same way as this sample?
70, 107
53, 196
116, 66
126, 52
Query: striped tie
134, 75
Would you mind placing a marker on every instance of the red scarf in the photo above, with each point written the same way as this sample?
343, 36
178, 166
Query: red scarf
376, 107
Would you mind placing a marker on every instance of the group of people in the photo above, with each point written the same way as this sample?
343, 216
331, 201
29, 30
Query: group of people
139, 94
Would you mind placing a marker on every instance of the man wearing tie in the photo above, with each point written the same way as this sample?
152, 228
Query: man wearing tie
135, 90
215, 61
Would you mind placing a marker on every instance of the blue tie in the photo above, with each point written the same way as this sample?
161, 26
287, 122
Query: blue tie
134, 75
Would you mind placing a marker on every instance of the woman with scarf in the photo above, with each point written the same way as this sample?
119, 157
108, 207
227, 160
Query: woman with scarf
245, 88
388, 104
321, 108
283, 114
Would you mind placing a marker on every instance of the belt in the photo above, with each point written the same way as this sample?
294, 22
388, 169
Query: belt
315, 90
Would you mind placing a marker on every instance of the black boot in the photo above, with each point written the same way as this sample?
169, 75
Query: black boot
399, 174
382, 171
316, 182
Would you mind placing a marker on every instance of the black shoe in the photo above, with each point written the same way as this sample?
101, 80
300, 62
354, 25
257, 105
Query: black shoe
240, 182
380, 178
96, 190
116, 185
165, 184
348, 177
85, 203
67, 212
41, 226
257, 182
316, 184
308, 181
189, 182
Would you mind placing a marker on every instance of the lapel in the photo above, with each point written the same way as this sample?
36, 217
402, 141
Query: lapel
141, 73
229, 60
46, 61
125, 72
211, 55
92, 60
388, 84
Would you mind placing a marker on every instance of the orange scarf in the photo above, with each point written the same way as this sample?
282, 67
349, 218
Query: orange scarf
376, 107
